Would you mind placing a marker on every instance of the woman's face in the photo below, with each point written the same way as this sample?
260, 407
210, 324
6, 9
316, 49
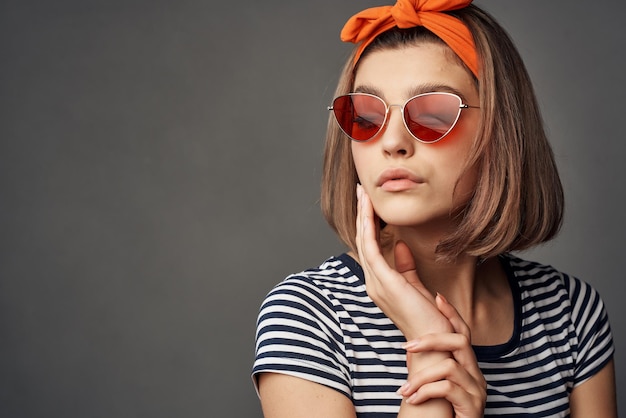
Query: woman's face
409, 182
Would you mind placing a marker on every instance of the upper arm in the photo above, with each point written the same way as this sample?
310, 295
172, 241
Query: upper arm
285, 396
594, 379
596, 396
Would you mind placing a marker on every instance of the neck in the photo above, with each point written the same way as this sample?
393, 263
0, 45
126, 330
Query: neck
464, 282
476, 290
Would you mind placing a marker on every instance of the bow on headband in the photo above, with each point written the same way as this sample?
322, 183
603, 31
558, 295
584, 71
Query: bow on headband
365, 26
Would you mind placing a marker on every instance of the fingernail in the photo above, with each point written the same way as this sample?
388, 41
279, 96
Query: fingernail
359, 191
409, 345
402, 388
443, 299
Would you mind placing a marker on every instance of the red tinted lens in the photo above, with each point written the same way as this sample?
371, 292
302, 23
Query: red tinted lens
360, 116
432, 116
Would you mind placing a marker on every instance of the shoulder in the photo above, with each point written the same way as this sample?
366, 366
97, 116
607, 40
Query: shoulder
543, 281
563, 302
316, 295
335, 279
299, 330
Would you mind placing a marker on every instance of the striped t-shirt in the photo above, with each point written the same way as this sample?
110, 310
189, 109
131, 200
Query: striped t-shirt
320, 325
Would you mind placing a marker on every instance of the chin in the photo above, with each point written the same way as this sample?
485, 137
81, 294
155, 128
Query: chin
413, 211
406, 219
408, 216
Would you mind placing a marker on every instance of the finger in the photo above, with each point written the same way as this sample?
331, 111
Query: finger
450, 312
370, 248
359, 224
465, 404
448, 341
456, 344
464, 355
405, 265
447, 380
404, 260
434, 390
447, 369
367, 244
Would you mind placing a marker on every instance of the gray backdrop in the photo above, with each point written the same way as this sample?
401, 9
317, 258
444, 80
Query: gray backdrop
160, 163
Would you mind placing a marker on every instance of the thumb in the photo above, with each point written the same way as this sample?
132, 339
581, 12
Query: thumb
405, 265
403, 258
450, 312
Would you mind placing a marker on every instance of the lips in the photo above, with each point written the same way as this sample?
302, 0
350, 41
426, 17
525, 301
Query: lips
398, 179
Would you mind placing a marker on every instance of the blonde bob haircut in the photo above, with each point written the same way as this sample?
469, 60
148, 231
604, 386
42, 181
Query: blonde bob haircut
518, 199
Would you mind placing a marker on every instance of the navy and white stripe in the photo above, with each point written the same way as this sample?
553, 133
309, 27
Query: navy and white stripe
320, 325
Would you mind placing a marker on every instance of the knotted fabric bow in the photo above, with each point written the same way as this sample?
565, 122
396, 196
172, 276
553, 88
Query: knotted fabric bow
365, 26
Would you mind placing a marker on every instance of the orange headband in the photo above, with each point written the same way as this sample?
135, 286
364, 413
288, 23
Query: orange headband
368, 24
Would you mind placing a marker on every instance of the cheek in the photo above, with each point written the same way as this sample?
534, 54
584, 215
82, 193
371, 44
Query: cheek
448, 162
466, 129
466, 186
468, 177
359, 157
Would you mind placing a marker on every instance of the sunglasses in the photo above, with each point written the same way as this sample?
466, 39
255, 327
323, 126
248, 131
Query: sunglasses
428, 117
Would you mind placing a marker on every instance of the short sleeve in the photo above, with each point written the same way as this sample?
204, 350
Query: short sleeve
298, 334
591, 321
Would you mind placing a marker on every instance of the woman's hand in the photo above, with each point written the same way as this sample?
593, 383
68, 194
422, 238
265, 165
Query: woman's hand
397, 292
457, 379
432, 326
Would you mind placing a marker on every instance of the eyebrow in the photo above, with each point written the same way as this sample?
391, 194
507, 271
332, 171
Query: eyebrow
419, 89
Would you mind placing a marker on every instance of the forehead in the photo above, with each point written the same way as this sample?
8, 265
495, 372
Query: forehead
403, 72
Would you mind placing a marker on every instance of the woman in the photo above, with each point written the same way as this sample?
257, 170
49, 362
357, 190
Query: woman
436, 168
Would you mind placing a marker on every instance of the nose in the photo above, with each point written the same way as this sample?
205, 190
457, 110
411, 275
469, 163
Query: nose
396, 140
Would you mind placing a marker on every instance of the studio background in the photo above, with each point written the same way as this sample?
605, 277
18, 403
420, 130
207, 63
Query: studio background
159, 173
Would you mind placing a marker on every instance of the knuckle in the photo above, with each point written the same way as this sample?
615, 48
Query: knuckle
447, 386
450, 364
372, 292
483, 386
483, 397
465, 340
